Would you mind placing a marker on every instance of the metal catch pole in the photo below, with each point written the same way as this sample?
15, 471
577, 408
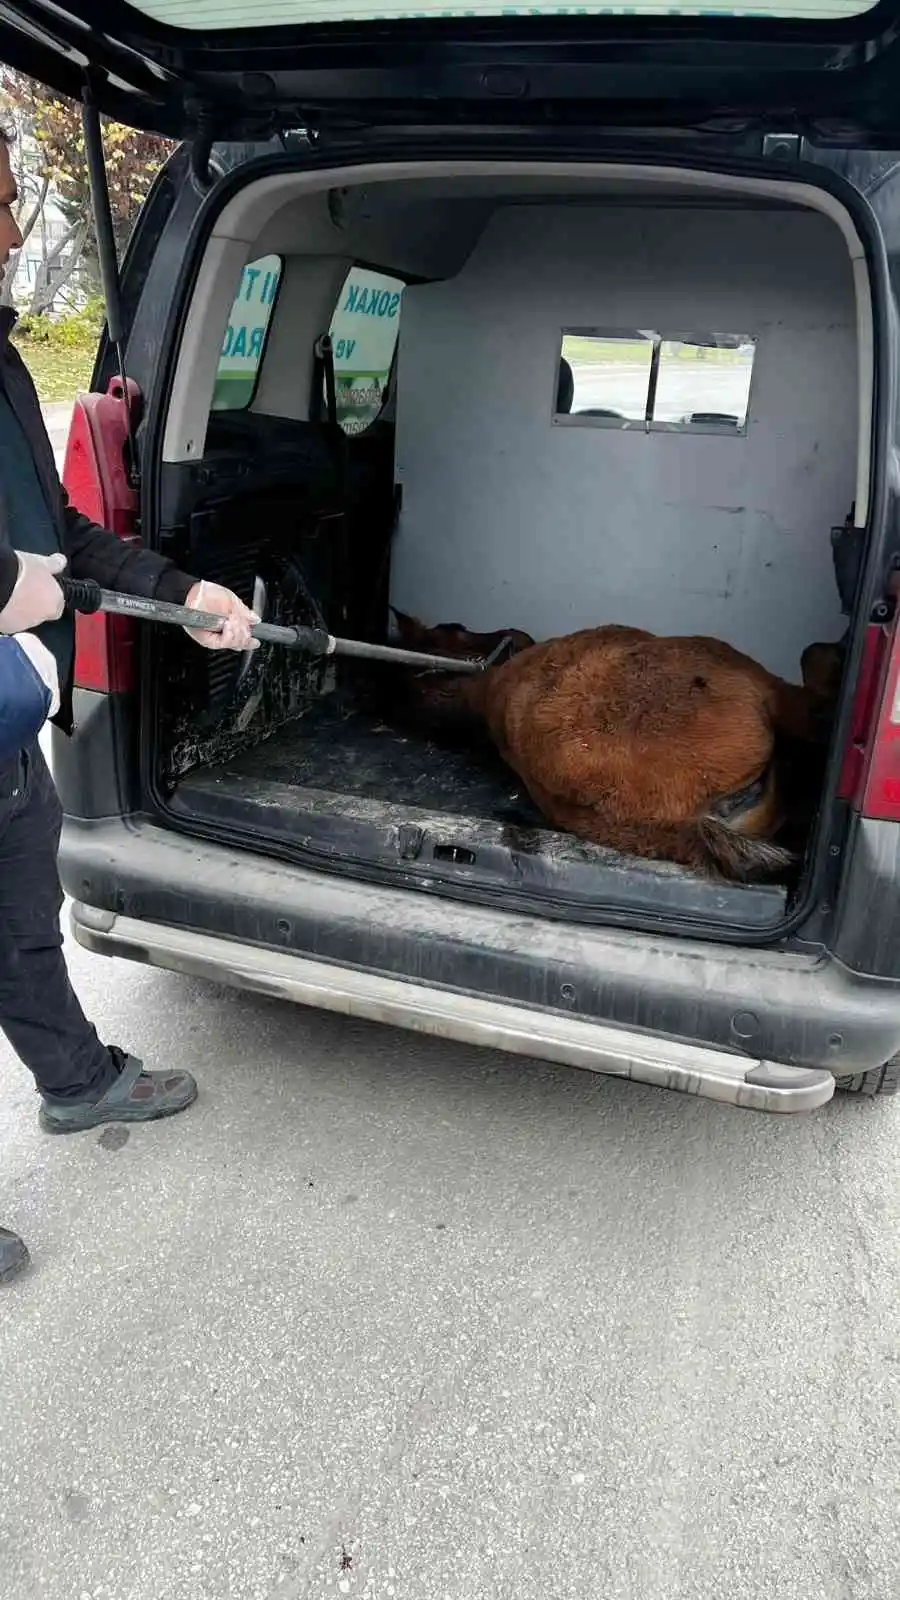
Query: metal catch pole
88, 598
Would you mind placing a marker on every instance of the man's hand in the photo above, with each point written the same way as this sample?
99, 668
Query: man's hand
37, 597
239, 619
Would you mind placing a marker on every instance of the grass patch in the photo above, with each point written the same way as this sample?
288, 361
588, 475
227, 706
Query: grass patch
58, 374
627, 352
60, 351
607, 352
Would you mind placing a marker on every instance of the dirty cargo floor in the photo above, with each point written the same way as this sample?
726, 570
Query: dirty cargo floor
341, 749
346, 789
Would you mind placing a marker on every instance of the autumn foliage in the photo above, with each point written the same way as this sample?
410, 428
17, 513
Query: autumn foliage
50, 156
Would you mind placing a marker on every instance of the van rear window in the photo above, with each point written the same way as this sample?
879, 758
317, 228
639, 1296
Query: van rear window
200, 15
244, 339
693, 383
364, 330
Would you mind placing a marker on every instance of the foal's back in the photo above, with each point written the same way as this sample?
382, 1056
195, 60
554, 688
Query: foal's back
622, 736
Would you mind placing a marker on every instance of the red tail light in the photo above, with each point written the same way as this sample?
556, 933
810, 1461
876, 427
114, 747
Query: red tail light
865, 705
881, 790
96, 481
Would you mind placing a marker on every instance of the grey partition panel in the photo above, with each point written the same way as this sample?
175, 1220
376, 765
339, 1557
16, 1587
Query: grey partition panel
512, 519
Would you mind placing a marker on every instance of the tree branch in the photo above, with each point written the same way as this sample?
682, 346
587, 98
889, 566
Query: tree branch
77, 230
26, 227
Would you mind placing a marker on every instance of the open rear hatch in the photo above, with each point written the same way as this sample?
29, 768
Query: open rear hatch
826, 70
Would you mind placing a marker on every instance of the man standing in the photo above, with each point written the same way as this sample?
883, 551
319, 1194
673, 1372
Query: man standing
82, 1082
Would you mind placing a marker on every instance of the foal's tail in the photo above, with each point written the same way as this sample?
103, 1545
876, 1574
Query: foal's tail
711, 847
705, 845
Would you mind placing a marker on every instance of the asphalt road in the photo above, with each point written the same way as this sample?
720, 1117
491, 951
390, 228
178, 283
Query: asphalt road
384, 1317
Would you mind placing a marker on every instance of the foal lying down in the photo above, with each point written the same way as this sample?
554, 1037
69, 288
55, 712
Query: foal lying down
656, 747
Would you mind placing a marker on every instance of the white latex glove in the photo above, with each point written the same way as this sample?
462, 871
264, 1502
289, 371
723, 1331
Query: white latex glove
37, 597
239, 619
44, 663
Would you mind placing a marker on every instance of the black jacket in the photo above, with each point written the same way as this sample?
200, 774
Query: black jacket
92, 552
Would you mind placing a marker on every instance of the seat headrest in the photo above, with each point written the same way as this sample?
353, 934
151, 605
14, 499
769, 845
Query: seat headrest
565, 388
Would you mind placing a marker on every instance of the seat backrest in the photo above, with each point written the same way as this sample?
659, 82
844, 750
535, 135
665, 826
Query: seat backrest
565, 388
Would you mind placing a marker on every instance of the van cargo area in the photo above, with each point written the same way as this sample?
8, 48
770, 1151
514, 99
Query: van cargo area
627, 396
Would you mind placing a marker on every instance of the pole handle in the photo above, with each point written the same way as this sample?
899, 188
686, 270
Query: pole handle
87, 596
81, 594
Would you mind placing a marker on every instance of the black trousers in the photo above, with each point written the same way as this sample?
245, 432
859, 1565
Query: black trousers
39, 1012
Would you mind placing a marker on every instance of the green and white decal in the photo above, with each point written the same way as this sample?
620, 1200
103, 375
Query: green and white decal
245, 335
364, 332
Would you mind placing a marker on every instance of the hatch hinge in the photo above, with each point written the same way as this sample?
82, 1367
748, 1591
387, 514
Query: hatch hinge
209, 123
107, 256
203, 173
781, 146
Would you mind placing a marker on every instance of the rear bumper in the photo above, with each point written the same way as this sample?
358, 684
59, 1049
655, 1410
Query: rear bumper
766, 1029
669, 1064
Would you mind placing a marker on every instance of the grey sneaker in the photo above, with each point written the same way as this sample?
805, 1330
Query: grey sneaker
14, 1256
135, 1096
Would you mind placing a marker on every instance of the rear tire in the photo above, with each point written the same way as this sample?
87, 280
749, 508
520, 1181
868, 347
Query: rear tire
883, 1080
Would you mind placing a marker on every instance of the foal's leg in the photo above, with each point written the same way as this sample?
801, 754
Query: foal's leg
798, 713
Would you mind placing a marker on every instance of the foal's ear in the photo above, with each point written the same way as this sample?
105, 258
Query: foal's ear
821, 669
410, 629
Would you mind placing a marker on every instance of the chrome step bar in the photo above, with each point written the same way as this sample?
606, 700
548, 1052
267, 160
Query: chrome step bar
754, 1084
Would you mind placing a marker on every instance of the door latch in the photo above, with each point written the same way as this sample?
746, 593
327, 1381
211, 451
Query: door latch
781, 146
